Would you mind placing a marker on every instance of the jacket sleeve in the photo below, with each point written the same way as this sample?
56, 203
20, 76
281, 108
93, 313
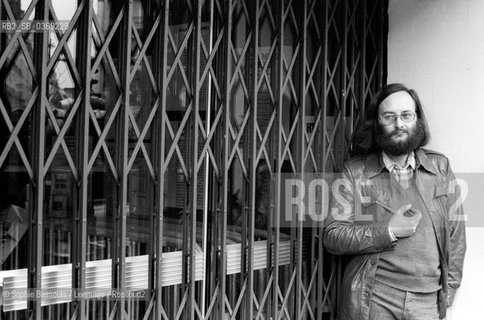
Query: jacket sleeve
346, 230
456, 233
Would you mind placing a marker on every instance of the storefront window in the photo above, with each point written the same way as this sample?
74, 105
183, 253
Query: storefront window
138, 144
17, 87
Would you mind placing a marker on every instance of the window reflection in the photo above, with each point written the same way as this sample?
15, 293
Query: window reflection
16, 88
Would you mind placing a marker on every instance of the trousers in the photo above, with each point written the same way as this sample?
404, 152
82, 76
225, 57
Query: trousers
389, 303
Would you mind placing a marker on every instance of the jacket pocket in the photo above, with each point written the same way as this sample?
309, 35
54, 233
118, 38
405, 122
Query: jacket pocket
440, 197
440, 190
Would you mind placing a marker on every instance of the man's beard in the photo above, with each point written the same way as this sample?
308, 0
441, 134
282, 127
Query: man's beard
399, 148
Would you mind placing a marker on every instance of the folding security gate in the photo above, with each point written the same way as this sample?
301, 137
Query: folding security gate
142, 145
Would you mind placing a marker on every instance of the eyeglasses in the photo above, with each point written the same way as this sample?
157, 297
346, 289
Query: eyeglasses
390, 118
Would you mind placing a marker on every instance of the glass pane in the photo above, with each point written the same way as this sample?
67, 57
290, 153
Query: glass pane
105, 147
60, 143
16, 101
179, 143
104, 112
141, 155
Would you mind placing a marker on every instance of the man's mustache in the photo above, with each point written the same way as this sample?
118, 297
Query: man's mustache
397, 131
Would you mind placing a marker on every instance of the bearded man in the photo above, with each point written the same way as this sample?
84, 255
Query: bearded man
397, 213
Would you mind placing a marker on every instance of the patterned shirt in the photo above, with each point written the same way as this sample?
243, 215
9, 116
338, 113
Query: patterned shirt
401, 174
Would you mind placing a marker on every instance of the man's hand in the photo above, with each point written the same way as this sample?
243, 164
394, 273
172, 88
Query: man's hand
404, 221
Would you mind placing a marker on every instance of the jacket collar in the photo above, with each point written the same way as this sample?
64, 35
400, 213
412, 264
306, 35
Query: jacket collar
374, 163
424, 161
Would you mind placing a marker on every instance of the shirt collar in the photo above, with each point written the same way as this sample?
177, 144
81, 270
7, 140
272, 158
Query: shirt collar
390, 164
374, 163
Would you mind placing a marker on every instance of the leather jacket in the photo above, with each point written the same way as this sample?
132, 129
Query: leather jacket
364, 234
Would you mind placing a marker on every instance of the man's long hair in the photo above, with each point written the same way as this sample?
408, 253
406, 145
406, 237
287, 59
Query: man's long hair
364, 137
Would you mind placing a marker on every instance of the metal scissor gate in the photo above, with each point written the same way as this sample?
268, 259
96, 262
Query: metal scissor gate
143, 146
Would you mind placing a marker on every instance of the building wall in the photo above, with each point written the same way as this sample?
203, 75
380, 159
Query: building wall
436, 47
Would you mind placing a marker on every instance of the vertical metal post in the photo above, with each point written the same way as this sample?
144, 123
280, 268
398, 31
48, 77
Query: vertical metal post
301, 143
205, 287
196, 87
253, 79
222, 244
312, 301
162, 164
362, 85
279, 162
36, 239
122, 161
382, 45
324, 98
79, 252
324, 107
342, 82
